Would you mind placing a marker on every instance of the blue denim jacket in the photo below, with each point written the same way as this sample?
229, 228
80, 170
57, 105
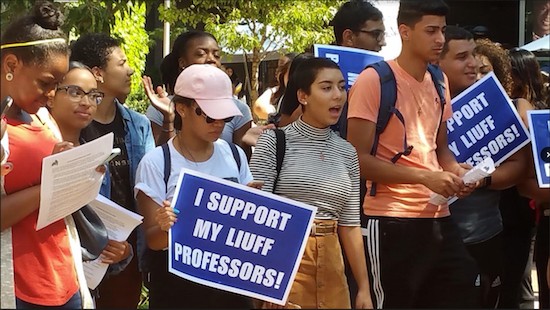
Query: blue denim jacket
139, 140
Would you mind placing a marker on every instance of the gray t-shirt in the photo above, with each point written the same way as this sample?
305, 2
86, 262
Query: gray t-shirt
478, 215
235, 124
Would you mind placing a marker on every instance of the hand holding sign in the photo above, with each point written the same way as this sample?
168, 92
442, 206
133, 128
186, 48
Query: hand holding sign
166, 216
235, 238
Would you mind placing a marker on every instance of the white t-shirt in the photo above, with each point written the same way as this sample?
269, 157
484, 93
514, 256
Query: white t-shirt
235, 124
150, 171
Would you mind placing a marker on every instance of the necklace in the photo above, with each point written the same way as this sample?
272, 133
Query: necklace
182, 149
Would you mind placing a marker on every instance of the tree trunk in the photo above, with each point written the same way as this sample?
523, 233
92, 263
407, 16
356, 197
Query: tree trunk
254, 75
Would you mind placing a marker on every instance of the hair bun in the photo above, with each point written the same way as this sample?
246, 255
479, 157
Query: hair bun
46, 15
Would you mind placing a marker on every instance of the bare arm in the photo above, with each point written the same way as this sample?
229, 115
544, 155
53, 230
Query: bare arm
445, 157
361, 135
162, 133
163, 104
352, 242
238, 139
157, 220
18, 205
512, 171
530, 189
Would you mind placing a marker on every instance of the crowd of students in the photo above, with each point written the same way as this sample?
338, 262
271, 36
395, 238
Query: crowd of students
385, 248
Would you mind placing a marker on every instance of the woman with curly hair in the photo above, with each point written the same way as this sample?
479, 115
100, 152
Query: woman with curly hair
493, 58
516, 202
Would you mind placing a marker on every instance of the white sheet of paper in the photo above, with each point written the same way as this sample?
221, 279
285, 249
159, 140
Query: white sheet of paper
482, 170
69, 180
119, 223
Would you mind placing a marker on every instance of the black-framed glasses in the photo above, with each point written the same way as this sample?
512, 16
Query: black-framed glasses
210, 120
378, 34
76, 93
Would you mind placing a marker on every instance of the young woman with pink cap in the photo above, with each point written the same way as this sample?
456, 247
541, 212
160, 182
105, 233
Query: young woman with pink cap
204, 102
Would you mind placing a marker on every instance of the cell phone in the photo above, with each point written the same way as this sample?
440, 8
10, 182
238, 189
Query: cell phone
114, 153
6, 104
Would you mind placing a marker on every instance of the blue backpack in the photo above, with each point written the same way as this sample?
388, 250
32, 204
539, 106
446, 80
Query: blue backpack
388, 96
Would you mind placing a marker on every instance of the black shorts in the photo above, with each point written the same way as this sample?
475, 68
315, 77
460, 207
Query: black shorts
419, 263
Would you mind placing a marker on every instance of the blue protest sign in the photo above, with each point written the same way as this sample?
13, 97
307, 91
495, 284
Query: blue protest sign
351, 60
539, 125
485, 123
236, 238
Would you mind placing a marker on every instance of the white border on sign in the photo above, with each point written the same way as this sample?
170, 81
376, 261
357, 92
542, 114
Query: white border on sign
534, 145
491, 75
316, 48
298, 204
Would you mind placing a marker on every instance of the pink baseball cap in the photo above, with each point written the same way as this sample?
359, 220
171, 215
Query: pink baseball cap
210, 87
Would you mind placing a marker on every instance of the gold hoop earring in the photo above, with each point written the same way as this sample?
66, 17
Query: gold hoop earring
9, 76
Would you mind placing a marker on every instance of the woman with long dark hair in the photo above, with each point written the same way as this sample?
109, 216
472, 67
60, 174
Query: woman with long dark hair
321, 169
529, 84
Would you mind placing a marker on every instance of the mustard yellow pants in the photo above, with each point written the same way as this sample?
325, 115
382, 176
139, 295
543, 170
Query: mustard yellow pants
320, 281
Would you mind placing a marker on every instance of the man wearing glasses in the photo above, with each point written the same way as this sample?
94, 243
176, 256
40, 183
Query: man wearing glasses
359, 24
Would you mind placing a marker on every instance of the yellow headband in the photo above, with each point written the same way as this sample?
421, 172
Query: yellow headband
31, 43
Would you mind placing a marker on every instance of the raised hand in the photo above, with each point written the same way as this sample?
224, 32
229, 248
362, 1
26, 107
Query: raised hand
159, 99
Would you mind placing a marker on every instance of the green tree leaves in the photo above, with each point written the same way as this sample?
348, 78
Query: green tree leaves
265, 25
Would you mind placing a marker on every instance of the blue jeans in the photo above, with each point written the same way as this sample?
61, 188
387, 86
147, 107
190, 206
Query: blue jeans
74, 303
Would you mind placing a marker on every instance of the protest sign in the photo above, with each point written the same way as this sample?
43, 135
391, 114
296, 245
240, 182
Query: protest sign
484, 124
539, 123
351, 60
236, 238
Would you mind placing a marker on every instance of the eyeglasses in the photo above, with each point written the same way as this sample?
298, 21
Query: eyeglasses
210, 120
76, 94
378, 34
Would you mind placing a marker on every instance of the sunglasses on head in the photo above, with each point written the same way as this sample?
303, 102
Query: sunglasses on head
210, 120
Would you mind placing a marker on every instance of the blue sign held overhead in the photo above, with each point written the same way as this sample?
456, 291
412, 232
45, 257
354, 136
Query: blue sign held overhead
351, 60
236, 238
484, 124
539, 123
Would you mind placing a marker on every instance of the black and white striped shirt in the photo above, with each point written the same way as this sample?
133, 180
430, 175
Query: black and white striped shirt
319, 168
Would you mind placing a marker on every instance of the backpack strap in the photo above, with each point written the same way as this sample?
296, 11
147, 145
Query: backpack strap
236, 155
388, 97
280, 140
167, 164
439, 83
